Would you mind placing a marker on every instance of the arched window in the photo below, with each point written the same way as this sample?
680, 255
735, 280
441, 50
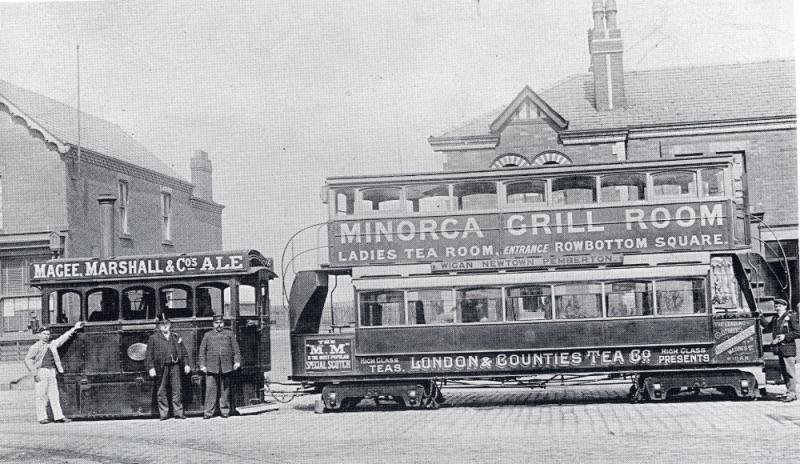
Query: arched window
550, 157
510, 160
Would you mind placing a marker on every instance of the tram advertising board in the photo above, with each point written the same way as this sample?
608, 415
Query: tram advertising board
139, 266
551, 235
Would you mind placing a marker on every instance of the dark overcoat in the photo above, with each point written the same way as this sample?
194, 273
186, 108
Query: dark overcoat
219, 351
158, 351
789, 327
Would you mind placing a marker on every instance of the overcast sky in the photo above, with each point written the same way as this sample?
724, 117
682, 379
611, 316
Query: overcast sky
284, 94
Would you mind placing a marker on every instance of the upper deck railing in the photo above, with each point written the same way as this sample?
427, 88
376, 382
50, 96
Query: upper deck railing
531, 217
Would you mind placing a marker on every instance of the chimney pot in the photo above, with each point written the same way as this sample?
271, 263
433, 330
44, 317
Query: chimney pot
611, 14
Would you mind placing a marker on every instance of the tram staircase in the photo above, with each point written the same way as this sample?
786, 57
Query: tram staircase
763, 282
307, 301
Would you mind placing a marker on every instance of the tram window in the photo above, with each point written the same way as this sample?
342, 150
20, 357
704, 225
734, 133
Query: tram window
475, 195
625, 299
479, 305
680, 296
529, 303
428, 198
675, 184
629, 186
525, 192
176, 302
381, 308
345, 202
103, 305
210, 301
138, 304
380, 200
578, 301
574, 190
67, 306
247, 300
712, 182
431, 307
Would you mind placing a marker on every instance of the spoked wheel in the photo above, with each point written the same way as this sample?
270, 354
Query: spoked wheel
638, 392
432, 396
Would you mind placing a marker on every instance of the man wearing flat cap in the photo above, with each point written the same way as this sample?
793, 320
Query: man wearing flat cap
219, 357
166, 359
785, 329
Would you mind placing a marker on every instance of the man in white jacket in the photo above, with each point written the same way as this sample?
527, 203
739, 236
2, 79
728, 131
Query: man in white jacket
43, 361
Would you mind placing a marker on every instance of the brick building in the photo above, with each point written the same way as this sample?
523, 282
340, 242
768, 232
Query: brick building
49, 190
746, 110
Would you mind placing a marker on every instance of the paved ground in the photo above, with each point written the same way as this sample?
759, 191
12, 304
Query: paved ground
582, 424
579, 424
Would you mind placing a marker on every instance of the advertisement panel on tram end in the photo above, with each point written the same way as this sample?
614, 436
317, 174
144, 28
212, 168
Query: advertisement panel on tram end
119, 300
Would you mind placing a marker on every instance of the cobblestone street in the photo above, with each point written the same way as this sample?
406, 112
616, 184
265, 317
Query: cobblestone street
581, 424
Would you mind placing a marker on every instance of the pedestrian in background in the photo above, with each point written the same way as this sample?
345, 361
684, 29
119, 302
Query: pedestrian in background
219, 357
166, 359
43, 361
785, 328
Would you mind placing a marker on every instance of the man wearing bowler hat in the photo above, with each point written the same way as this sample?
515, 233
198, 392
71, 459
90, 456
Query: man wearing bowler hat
785, 329
219, 357
166, 359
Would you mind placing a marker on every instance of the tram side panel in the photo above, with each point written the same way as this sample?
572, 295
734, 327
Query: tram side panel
733, 344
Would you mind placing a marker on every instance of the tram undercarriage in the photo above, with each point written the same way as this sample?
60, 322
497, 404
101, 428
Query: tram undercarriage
740, 384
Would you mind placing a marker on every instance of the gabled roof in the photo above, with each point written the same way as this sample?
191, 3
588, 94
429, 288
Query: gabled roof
663, 97
523, 101
59, 120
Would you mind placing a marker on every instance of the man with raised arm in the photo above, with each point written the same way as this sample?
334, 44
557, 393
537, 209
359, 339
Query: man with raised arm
44, 362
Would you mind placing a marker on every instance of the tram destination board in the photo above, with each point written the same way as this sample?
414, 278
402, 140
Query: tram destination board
550, 235
140, 267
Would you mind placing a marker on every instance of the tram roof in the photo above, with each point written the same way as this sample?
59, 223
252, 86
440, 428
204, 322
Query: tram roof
528, 171
164, 266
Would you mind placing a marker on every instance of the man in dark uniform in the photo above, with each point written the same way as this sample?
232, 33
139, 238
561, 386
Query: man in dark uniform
785, 329
219, 357
166, 357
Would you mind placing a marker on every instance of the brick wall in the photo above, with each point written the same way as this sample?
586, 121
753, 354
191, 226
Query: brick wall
770, 157
192, 230
32, 181
528, 140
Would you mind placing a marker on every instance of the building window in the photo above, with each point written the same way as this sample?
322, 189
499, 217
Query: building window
123, 207
166, 216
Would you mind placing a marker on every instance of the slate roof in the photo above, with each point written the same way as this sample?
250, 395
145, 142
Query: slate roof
97, 135
668, 96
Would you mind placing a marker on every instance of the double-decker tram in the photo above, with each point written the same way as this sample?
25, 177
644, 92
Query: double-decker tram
636, 270
119, 299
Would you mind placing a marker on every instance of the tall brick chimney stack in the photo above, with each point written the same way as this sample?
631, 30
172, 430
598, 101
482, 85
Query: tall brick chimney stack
201, 175
605, 47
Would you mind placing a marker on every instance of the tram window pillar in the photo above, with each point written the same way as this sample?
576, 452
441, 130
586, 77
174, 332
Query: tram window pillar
234, 298
45, 312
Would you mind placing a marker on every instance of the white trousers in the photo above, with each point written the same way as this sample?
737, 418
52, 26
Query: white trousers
47, 390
